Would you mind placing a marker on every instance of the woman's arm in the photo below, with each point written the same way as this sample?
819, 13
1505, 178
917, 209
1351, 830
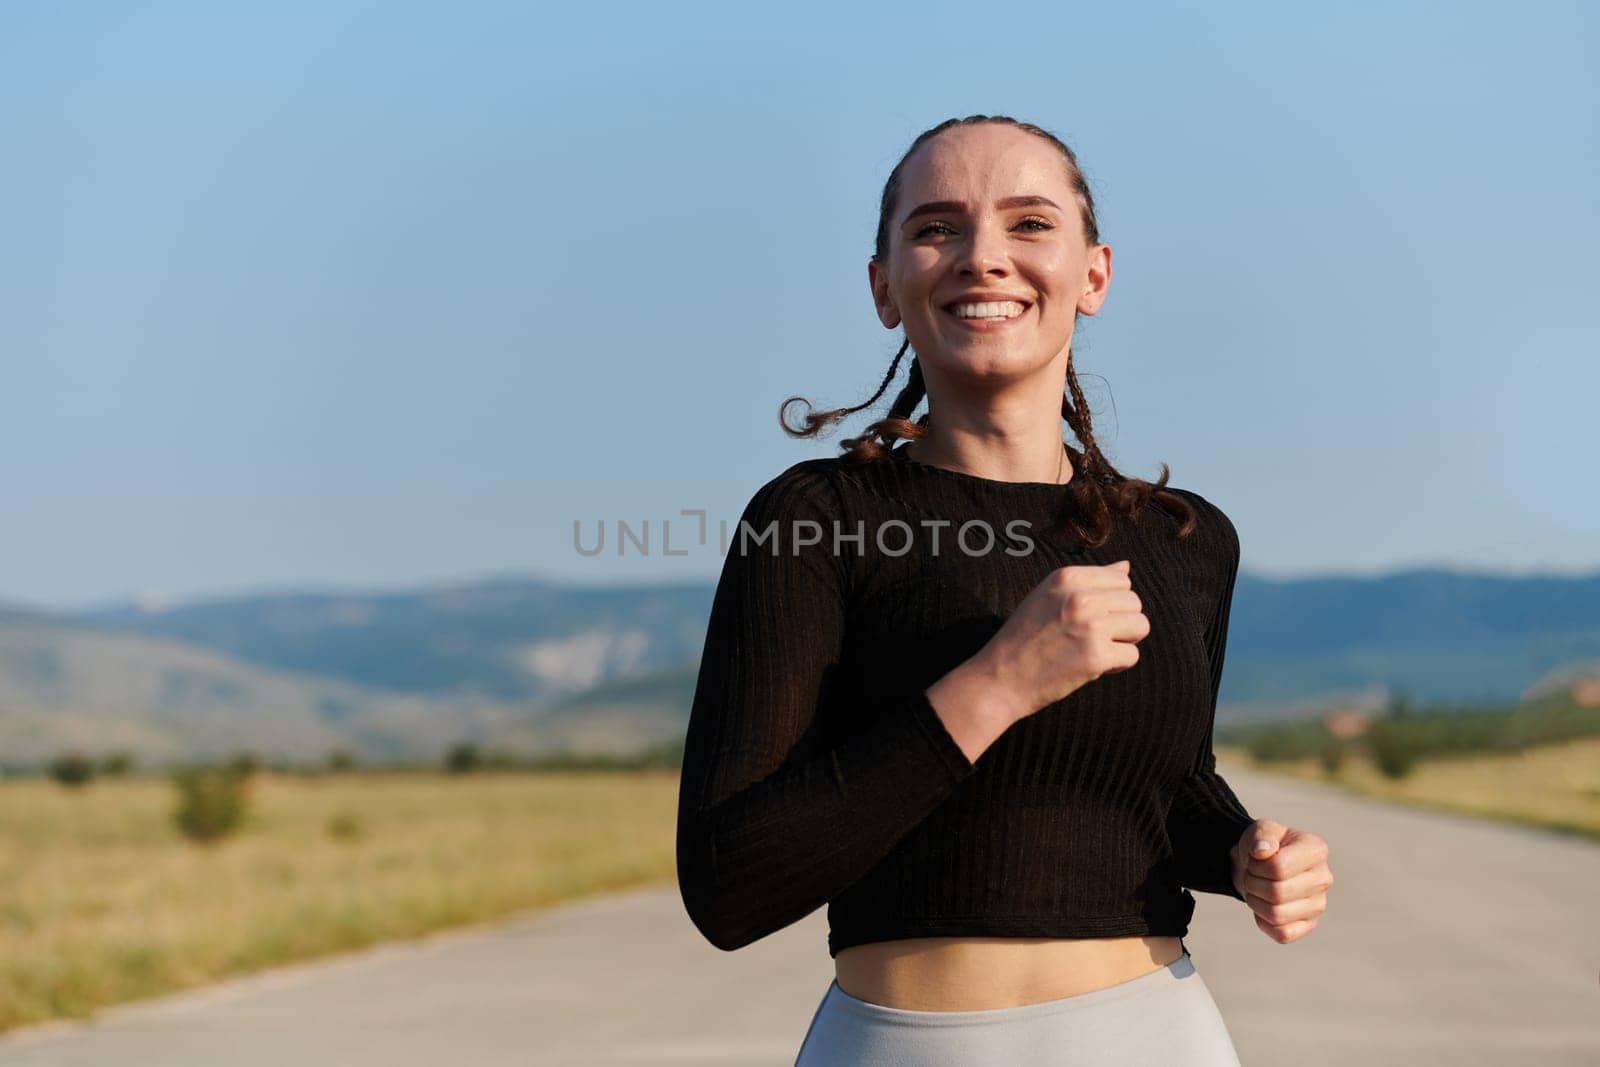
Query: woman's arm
772, 823
1206, 819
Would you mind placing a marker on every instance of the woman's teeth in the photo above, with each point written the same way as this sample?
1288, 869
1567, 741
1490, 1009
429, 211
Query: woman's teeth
1004, 309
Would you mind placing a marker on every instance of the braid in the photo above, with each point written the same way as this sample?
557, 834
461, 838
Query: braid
912, 394
816, 420
1076, 412
880, 436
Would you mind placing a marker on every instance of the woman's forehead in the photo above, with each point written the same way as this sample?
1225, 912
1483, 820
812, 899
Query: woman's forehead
988, 162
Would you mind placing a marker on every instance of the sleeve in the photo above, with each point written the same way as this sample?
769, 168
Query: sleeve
772, 823
1206, 819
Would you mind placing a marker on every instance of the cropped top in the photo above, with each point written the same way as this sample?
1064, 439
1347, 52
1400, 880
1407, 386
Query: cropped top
816, 770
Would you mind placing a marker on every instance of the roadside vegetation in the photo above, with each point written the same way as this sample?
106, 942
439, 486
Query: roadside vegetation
1536, 764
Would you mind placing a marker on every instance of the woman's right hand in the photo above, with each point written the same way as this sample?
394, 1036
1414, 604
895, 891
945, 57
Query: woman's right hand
1077, 624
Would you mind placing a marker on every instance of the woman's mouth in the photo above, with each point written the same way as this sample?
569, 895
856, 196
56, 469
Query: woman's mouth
987, 315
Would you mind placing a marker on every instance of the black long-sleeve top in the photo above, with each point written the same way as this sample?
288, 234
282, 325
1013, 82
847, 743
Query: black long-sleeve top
816, 771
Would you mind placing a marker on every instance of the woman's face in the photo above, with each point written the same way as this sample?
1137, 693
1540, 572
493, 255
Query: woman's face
987, 264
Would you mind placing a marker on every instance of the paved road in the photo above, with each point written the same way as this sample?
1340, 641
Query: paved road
1449, 941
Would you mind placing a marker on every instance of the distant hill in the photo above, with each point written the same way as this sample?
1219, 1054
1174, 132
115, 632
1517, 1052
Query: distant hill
66, 684
617, 718
511, 639
1438, 635
534, 666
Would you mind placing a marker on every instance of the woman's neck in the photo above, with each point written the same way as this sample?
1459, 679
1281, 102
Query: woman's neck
1017, 461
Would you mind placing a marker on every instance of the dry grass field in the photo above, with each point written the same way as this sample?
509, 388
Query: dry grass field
1556, 787
102, 900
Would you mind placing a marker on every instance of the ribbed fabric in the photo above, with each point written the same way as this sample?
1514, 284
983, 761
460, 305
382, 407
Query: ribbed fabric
816, 771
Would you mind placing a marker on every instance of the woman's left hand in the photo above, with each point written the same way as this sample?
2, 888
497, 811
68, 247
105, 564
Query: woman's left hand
1286, 882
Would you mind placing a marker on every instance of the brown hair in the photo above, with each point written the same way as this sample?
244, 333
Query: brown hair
1097, 488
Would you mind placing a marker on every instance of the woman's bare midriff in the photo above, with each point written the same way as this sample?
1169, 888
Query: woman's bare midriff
980, 973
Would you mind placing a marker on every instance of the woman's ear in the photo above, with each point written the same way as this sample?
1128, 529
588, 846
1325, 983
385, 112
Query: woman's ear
1097, 280
878, 278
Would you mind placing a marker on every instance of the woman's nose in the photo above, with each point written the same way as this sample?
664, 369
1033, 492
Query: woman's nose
984, 252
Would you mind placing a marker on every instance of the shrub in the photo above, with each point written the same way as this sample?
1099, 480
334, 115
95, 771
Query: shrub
211, 802
72, 769
1331, 756
1399, 705
244, 763
665, 755
118, 764
1293, 741
341, 759
463, 758
1393, 747
346, 826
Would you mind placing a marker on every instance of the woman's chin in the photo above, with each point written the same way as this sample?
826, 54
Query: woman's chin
984, 362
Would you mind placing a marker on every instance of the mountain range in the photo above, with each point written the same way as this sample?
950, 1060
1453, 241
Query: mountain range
528, 665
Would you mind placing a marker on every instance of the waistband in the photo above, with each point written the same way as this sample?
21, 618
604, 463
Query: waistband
1145, 984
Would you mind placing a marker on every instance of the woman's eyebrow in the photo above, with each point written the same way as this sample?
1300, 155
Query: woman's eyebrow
956, 207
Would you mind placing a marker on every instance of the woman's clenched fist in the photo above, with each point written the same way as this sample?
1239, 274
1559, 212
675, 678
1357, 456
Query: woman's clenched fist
1077, 624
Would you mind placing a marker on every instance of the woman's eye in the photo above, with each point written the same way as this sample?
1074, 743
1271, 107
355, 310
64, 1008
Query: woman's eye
1033, 222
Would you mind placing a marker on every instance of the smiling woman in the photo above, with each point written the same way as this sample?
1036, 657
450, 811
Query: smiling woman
988, 282
993, 766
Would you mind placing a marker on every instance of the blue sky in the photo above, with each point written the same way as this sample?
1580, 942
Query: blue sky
361, 295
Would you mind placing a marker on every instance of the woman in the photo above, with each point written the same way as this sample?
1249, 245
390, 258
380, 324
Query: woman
962, 690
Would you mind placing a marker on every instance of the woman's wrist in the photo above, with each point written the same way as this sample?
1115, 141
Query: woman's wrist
975, 704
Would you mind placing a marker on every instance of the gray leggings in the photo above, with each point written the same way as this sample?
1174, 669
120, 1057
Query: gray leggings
1161, 1018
